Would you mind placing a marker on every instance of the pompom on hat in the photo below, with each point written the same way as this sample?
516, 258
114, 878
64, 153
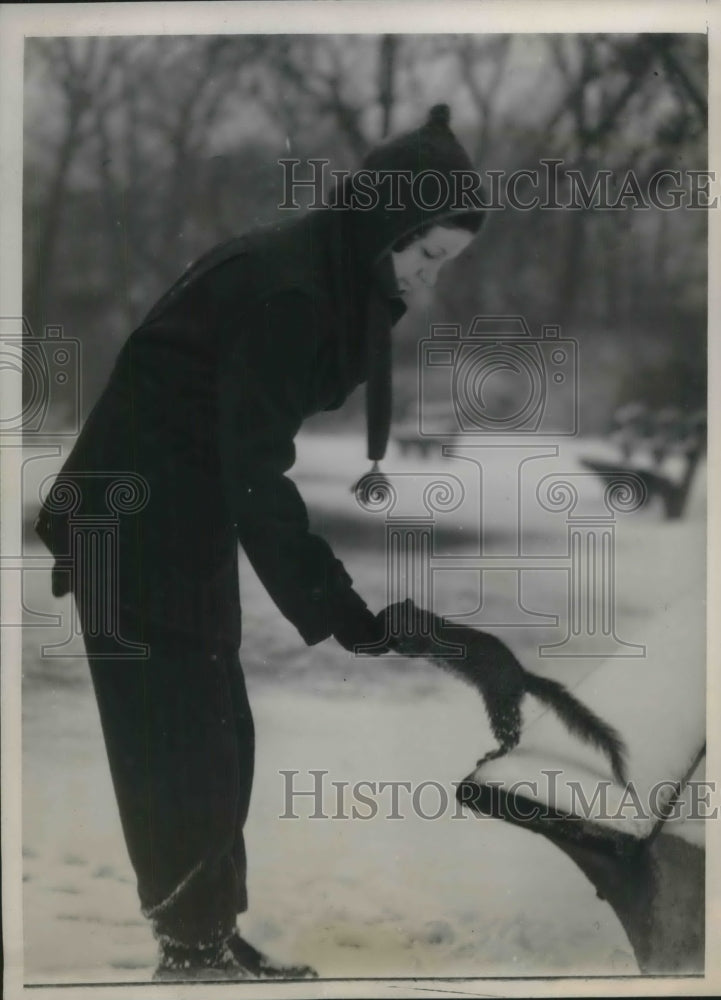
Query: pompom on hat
440, 114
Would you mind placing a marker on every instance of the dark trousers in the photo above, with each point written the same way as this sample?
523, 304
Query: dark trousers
180, 742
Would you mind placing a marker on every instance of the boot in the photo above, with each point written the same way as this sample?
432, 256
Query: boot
259, 966
230, 959
180, 962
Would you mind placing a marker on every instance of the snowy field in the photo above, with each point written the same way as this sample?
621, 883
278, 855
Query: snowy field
452, 896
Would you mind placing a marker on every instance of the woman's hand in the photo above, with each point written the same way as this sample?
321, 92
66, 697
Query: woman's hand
357, 629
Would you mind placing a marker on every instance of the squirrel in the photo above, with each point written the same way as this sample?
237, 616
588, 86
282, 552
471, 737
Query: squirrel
489, 666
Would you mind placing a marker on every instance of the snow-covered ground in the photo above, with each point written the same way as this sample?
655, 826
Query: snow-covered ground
452, 896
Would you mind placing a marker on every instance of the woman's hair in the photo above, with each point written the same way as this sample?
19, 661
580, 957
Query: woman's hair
470, 221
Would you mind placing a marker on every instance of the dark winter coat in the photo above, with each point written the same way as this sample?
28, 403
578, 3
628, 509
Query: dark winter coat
204, 402
208, 394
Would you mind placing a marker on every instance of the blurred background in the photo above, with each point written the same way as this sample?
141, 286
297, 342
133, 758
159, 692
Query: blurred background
141, 152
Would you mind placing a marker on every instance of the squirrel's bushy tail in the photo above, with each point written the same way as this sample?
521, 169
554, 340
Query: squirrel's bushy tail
581, 721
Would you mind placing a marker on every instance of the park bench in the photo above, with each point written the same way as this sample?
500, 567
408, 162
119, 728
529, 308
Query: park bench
649, 868
423, 436
409, 440
662, 449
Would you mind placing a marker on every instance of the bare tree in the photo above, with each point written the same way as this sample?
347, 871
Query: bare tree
386, 79
679, 70
312, 82
482, 64
71, 67
600, 78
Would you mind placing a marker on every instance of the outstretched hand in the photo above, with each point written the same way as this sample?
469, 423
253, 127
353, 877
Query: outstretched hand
362, 632
402, 627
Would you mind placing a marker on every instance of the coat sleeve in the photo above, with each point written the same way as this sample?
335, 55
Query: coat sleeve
265, 382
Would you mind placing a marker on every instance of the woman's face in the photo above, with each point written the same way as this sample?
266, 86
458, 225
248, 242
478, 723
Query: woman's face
418, 265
